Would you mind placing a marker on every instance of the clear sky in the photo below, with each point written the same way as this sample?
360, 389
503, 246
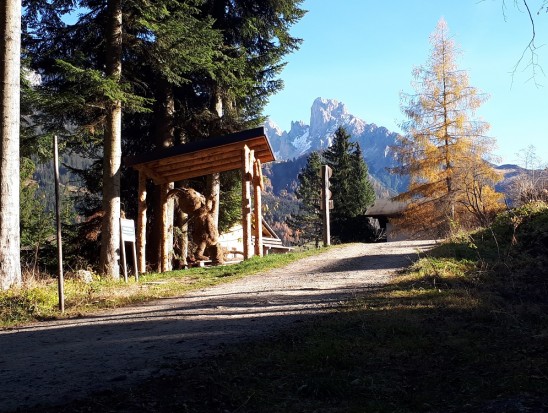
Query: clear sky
362, 52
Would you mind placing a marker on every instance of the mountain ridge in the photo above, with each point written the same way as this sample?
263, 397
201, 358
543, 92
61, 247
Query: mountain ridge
326, 115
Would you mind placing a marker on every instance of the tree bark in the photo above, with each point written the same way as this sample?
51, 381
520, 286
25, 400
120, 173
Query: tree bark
213, 181
110, 236
10, 52
164, 137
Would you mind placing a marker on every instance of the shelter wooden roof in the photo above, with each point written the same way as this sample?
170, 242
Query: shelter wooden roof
385, 207
190, 160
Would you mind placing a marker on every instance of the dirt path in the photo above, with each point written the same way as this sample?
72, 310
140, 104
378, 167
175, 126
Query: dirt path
54, 362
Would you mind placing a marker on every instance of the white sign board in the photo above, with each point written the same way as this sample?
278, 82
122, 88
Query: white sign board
127, 234
127, 228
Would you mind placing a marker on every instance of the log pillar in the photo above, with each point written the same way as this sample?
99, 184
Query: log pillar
166, 242
257, 207
142, 222
247, 172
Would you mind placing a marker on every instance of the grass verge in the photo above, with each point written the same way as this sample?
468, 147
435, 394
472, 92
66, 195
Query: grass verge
39, 301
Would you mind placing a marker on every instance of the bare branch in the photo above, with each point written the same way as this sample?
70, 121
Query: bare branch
531, 48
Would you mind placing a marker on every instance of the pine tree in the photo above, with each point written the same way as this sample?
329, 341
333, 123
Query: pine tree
86, 87
180, 59
307, 223
352, 191
442, 141
364, 197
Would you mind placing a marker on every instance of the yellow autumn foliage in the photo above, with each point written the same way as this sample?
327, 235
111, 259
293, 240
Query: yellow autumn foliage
444, 148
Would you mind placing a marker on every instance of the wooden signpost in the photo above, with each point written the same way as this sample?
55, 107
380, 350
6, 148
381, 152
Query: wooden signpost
127, 234
60, 277
326, 203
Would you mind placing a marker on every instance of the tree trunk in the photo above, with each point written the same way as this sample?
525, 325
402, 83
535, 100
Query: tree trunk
164, 131
10, 52
213, 181
110, 236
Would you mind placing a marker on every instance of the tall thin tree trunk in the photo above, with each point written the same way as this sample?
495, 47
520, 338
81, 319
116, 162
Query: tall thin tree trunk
213, 181
164, 131
10, 52
110, 236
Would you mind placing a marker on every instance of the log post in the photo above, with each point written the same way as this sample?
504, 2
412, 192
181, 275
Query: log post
142, 222
246, 201
167, 241
257, 187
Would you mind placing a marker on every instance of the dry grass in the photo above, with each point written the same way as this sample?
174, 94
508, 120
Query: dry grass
38, 299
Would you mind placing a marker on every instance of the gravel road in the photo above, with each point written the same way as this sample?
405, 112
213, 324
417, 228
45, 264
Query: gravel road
53, 362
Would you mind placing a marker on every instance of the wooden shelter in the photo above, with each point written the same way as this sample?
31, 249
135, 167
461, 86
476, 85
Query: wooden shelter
383, 210
246, 150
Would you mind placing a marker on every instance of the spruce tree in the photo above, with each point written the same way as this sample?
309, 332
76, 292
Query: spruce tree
364, 197
307, 223
179, 59
351, 189
85, 86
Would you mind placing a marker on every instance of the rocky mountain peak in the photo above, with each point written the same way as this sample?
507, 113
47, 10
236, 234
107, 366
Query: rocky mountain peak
326, 112
326, 115
272, 127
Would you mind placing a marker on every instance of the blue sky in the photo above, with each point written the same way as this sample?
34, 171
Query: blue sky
362, 52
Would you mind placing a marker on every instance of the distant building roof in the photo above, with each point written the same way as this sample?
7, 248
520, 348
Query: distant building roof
386, 207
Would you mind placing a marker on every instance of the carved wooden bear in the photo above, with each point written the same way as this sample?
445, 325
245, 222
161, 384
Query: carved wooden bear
204, 231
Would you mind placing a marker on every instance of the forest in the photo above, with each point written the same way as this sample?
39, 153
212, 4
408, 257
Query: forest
112, 79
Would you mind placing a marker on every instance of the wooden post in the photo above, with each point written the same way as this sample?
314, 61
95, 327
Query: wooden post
123, 248
60, 277
326, 204
166, 241
142, 222
135, 261
169, 225
257, 207
246, 202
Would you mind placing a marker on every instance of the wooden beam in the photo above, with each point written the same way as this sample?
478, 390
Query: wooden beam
176, 154
195, 158
210, 161
142, 221
246, 202
218, 165
165, 171
257, 207
240, 138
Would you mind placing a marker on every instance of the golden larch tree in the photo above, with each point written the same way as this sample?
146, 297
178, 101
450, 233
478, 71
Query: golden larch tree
444, 148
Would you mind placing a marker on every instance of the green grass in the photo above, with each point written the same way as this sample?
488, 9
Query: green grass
464, 329
39, 300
